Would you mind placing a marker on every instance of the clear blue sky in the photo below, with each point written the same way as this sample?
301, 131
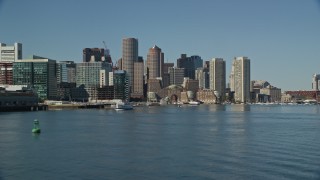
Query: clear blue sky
282, 38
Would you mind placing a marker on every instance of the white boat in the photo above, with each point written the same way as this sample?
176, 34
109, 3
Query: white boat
194, 102
123, 106
179, 103
153, 104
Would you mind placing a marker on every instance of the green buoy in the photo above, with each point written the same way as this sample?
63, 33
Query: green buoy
36, 126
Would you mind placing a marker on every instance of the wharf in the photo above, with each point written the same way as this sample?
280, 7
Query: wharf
40, 107
79, 106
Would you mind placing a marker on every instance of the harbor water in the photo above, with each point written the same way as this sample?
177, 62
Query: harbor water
163, 142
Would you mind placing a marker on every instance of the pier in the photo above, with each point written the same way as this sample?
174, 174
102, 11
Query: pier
24, 108
80, 106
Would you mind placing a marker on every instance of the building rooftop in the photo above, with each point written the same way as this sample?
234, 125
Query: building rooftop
174, 86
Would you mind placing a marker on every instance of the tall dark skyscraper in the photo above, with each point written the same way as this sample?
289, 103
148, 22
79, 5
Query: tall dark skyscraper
190, 64
138, 67
93, 54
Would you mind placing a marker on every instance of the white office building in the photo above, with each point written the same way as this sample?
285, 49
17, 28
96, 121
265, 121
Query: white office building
241, 79
90, 77
202, 75
110, 78
315, 82
217, 76
10, 53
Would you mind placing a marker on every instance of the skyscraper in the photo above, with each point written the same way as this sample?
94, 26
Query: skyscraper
66, 72
155, 62
129, 56
66, 79
200, 76
10, 53
166, 75
176, 75
138, 79
88, 76
93, 54
231, 77
190, 64
315, 82
217, 71
121, 87
241, 79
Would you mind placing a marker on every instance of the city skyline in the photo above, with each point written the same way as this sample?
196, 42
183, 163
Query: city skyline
280, 38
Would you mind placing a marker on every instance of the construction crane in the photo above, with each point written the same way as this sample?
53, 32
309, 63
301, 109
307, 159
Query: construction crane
107, 53
106, 50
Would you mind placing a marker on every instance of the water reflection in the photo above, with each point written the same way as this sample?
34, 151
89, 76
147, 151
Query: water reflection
240, 107
217, 107
35, 135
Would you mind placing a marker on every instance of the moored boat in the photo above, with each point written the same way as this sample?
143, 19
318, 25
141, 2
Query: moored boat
123, 106
194, 102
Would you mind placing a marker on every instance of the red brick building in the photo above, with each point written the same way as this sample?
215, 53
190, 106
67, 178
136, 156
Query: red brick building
6, 73
304, 94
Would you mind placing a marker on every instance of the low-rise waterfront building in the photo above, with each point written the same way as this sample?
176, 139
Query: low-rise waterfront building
16, 98
184, 97
38, 72
106, 93
274, 93
256, 85
206, 96
286, 98
191, 85
172, 93
299, 96
64, 91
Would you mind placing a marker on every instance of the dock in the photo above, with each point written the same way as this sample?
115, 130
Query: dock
40, 107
